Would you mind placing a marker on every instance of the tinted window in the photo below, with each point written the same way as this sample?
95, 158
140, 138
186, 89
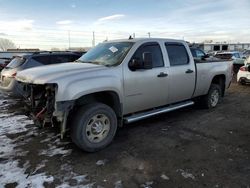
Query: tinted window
74, 57
154, 49
42, 59
177, 54
193, 52
60, 59
16, 62
200, 54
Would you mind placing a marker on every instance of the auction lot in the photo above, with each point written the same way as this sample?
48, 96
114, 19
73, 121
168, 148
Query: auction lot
191, 147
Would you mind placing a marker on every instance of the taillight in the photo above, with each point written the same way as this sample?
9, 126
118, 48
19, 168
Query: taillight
14, 75
243, 68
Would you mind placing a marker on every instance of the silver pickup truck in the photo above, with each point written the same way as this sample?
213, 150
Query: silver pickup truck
119, 82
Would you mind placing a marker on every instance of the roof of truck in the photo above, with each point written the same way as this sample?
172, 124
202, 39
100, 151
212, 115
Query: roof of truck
145, 39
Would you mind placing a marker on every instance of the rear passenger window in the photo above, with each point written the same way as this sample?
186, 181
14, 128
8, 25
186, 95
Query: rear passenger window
154, 49
42, 59
177, 54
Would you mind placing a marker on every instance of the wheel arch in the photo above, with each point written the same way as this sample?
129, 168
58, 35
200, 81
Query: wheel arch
110, 98
221, 81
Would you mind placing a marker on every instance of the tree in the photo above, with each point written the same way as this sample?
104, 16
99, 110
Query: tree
6, 44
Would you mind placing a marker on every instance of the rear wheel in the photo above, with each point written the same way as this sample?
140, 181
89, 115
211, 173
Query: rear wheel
213, 97
242, 82
94, 127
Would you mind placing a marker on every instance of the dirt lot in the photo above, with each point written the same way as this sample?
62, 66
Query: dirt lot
186, 148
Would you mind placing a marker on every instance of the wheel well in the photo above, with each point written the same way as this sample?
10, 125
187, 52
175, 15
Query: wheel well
220, 80
109, 98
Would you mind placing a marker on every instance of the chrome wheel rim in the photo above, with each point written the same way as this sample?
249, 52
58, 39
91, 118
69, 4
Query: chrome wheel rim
214, 99
98, 128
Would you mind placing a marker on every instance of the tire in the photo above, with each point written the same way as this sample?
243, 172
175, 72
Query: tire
94, 127
213, 97
242, 82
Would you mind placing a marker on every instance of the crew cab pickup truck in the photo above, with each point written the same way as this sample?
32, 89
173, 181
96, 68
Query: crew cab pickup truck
119, 82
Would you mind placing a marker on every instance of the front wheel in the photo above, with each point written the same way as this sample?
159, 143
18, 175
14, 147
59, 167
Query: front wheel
94, 127
213, 97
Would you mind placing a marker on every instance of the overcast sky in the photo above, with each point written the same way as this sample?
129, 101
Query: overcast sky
48, 22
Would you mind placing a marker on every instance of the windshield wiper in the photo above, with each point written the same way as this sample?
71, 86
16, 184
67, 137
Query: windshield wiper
94, 62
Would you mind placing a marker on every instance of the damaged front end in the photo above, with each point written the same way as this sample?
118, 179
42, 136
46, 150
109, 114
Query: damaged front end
42, 106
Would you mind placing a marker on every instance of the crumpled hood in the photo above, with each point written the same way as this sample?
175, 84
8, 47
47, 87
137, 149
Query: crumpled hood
51, 73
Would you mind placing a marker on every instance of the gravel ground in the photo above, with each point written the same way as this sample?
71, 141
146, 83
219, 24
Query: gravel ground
187, 148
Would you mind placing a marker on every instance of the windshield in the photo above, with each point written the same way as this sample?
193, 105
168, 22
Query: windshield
107, 54
16, 62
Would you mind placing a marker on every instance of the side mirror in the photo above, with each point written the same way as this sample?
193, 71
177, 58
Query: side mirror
205, 56
147, 60
135, 64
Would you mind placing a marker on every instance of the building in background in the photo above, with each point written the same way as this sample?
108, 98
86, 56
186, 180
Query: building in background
208, 47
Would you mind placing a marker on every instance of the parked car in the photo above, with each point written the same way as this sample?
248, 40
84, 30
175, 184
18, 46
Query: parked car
4, 62
246, 53
243, 76
198, 53
237, 57
9, 85
6, 57
118, 82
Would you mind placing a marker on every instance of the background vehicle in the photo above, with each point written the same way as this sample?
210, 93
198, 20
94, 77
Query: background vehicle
238, 59
243, 76
9, 85
246, 53
4, 62
6, 57
121, 81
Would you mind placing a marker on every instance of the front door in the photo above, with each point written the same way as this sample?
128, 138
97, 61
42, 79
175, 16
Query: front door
146, 88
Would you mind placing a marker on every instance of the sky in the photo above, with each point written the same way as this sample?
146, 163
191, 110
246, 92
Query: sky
71, 23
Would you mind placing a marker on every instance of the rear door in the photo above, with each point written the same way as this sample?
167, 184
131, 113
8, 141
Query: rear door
181, 72
146, 88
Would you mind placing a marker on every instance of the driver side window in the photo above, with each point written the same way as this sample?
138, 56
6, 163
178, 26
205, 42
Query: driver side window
154, 49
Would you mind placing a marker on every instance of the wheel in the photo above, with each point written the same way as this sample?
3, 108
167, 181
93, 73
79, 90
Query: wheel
242, 82
213, 97
94, 127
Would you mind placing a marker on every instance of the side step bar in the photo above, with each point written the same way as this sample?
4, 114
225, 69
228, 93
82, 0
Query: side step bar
144, 115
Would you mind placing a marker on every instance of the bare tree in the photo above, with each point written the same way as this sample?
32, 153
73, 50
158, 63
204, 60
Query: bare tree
6, 44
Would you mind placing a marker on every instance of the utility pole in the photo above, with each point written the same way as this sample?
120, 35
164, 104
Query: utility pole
133, 35
69, 38
93, 39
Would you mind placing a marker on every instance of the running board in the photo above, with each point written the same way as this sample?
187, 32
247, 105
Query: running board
144, 115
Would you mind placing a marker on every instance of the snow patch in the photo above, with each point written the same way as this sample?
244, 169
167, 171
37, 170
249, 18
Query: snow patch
54, 150
186, 174
11, 173
118, 184
163, 176
101, 162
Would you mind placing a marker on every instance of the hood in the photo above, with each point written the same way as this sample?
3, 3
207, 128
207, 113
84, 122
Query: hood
51, 73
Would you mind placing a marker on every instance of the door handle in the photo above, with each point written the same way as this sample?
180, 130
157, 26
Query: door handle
189, 71
162, 74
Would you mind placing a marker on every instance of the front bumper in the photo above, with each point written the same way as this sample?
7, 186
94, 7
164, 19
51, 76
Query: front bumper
243, 79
